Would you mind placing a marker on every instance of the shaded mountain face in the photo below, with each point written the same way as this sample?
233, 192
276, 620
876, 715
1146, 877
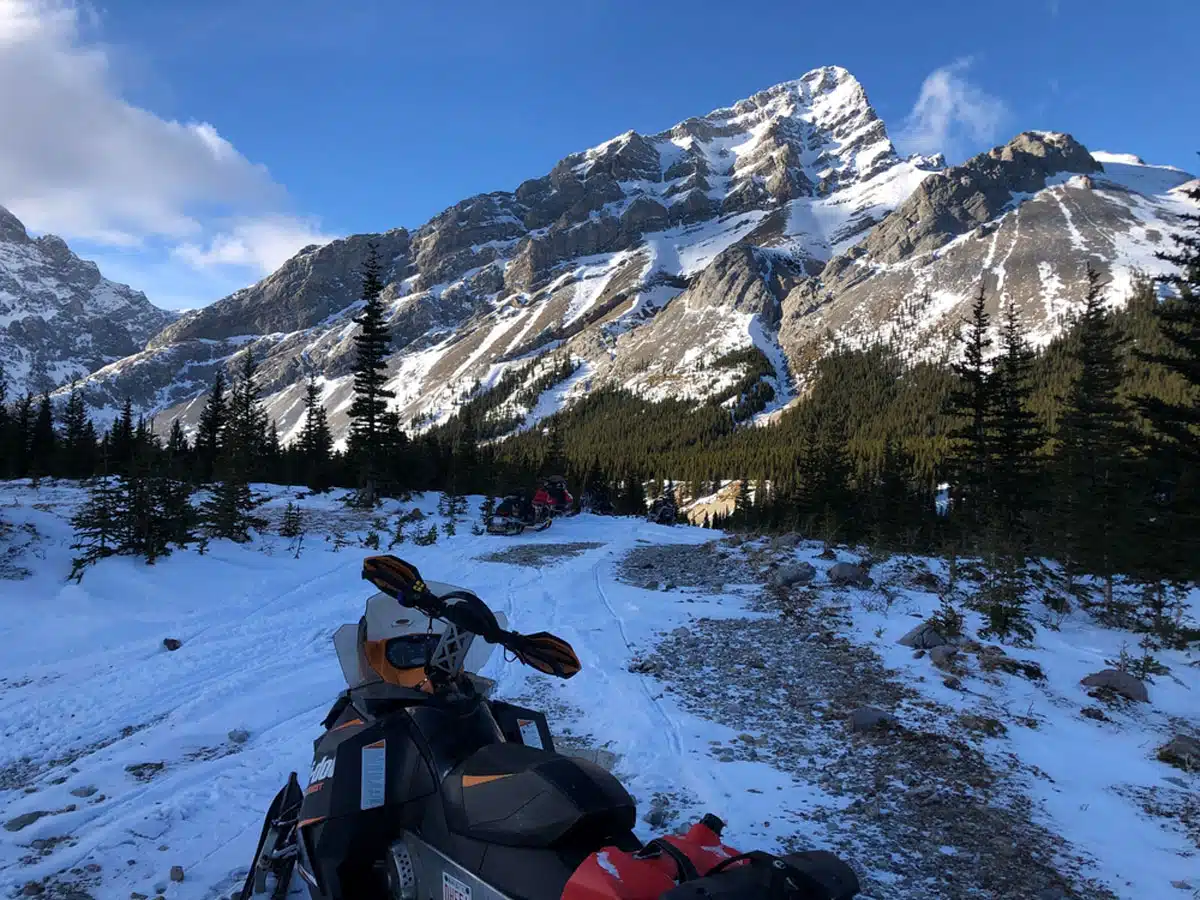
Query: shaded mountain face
680, 264
59, 318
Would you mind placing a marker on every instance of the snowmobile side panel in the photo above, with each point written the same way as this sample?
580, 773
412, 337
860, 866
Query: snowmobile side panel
500, 873
523, 726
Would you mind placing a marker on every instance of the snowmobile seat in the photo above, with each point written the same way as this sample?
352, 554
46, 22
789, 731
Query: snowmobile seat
520, 796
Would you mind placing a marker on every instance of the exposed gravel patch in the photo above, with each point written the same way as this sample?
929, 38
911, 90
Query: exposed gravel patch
923, 814
538, 555
709, 566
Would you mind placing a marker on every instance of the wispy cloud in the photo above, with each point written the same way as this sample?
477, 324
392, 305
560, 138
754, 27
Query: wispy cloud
952, 115
78, 160
263, 244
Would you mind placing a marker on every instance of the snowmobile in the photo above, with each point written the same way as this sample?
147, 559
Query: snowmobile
422, 785
515, 514
554, 497
663, 511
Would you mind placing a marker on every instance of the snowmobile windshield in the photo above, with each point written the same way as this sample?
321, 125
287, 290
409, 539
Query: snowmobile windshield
410, 651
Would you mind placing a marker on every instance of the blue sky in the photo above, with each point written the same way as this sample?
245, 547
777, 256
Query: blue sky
189, 146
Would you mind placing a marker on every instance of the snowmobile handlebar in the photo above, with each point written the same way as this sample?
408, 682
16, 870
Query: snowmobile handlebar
402, 581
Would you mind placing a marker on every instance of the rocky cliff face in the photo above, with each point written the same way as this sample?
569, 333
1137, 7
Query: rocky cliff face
59, 319
1024, 220
655, 260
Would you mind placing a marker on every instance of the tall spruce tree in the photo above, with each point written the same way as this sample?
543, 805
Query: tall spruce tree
1091, 465
122, 439
21, 436
97, 525
79, 439
210, 429
1017, 436
367, 410
229, 511
972, 404
1178, 317
6, 437
43, 443
315, 441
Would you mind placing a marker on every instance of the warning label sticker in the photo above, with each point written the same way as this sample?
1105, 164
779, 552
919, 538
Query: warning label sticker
453, 889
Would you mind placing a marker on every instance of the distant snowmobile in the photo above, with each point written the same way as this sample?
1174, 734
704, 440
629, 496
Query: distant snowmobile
663, 511
516, 514
554, 496
423, 786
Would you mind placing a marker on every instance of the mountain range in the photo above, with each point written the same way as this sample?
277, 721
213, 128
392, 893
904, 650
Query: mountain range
714, 260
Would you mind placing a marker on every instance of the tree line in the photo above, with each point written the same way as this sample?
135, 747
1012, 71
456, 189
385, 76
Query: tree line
1085, 451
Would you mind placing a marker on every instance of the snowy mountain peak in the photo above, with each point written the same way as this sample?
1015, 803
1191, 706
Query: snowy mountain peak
11, 229
59, 318
679, 264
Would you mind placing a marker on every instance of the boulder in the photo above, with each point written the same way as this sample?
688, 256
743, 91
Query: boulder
789, 541
172, 643
848, 573
1120, 682
924, 637
798, 573
177, 873
867, 718
1182, 750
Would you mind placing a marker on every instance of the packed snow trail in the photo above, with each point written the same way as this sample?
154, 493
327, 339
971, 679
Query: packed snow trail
121, 759
90, 698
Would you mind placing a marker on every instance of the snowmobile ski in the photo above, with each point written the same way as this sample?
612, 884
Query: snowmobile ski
276, 853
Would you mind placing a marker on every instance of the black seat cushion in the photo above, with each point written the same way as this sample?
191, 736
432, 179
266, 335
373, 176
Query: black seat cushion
521, 796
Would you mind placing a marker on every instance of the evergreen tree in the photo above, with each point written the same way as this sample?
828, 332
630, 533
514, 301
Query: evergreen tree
1017, 437
972, 404
6, 436
1178, 318
370, 375
178, 454
43, 444
316, 442
1167, 534
122, 439
21, 437
97, 525
210, 430
229, 511
1090, 515
79, 439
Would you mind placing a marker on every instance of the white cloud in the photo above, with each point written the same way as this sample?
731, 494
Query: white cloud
263, 244
951, 115
78, 160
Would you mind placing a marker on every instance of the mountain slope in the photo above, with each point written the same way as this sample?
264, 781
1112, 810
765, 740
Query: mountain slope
1026, 218
703, 261
59, 318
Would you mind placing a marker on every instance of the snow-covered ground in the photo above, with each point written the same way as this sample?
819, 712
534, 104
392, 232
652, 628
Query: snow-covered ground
127, 749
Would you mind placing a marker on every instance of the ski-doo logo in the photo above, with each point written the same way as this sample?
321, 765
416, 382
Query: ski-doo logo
321, 770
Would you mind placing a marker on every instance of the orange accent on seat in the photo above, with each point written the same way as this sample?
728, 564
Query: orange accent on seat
303, 823
314, 787
347, 724
473, 780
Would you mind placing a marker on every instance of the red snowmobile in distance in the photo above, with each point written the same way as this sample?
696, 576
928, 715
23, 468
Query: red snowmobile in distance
423, 785
515, 514
554, 497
